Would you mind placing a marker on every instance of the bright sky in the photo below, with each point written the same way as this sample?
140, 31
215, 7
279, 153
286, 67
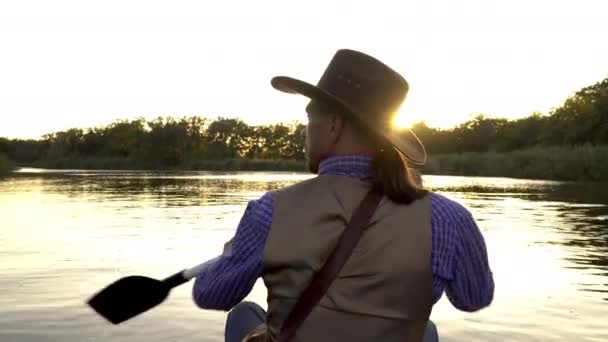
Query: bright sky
83, 63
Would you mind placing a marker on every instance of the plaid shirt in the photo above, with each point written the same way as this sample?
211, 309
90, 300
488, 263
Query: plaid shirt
459, 259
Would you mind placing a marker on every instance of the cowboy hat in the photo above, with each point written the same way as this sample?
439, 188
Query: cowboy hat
369, 91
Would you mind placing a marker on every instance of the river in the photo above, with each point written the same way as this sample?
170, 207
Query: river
66, 234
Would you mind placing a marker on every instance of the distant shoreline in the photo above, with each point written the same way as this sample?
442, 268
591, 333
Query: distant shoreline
578, 163
568, 143
201, 165
6, 166
582, 163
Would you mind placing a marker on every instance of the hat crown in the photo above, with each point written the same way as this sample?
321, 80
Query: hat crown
364, 83
368, 91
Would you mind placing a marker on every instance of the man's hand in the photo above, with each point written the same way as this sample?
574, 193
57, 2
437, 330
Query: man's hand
228, 248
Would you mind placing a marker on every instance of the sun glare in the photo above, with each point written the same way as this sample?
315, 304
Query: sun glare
405, 119
402, 121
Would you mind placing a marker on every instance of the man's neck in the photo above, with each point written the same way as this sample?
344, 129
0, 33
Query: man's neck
352, 165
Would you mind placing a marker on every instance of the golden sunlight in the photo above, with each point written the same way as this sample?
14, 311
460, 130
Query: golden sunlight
401, 120
405, 118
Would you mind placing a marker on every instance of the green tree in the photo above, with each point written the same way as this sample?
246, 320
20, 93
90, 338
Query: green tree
6, 165
583, 118
64, 144
122, 138
227, 138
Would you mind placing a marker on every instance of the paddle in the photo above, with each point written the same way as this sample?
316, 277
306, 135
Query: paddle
133, 295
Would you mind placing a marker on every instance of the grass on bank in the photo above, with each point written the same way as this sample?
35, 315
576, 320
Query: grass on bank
580, 163
6, 166
207, 165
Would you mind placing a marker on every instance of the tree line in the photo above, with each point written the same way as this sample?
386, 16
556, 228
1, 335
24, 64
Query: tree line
6, 166
174, 142
581, 120
163, 142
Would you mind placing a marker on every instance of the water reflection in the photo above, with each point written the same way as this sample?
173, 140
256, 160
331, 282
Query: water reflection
548, 244
171, 189
575, 211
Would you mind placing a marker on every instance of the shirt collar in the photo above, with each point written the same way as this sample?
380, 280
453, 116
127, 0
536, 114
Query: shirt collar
356, 166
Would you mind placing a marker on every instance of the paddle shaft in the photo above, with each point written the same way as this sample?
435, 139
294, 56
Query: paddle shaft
184, 276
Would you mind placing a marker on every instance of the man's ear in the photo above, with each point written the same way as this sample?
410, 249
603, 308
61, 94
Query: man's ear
336, 127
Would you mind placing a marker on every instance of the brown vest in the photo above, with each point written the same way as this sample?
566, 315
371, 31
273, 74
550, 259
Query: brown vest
383, 293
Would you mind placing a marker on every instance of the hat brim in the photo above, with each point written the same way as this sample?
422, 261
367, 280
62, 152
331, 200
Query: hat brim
403, 140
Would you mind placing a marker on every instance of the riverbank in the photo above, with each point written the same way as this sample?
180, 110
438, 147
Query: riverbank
198, 165
6, 166
582, 163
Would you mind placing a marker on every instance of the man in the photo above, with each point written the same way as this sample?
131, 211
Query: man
417, 245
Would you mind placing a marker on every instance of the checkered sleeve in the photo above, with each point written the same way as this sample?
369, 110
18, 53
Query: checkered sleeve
230, 279
460, 258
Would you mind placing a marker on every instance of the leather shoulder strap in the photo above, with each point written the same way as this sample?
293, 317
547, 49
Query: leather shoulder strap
323, 279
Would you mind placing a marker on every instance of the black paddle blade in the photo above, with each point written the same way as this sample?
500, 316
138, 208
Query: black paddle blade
128, 297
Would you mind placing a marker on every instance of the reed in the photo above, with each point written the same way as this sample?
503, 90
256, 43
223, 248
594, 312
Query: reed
6, 165
579, 163
203, 164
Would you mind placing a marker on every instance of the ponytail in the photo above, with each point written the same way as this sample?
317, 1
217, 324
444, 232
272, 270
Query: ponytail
395, 179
